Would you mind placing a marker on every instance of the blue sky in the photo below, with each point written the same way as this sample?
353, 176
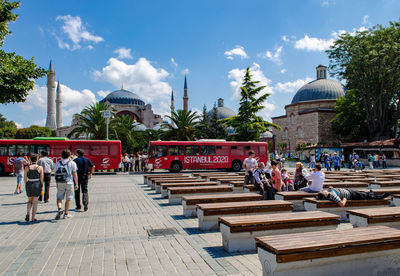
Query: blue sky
148, 46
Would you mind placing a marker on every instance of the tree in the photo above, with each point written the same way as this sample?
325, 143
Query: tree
91, 122
369, 61
33, 131
211, 127
184, 126
350, 120
282, 146
247, 124
122, 128
17, 74
8, 129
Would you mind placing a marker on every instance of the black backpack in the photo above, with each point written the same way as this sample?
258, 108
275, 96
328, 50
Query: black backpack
62, 173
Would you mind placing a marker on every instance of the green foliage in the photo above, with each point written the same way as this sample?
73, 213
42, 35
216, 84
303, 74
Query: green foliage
91, 122
350, 120
17, 74
369, 61
210, 126
282, 146
301, 147
247, 124
184, 126
8, 129
32, 132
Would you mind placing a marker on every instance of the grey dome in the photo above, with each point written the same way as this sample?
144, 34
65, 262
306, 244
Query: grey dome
139, 127
223, 112
322, 89
123, 97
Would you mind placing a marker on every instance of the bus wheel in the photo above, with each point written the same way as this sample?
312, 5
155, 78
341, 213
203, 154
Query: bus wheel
236, 166
176, 167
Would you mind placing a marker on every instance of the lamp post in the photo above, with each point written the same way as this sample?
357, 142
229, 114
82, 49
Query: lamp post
107, 116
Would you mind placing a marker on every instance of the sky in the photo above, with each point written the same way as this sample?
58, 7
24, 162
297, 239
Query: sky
149, 46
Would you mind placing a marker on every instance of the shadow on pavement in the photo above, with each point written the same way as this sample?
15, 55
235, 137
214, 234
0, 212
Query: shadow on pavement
219, 252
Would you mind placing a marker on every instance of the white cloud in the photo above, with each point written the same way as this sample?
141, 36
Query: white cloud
313, 43
326, 3
185, 71
123, 52
174, 62
283, 71
73, 101
236, 76
141, 78
291, 86
103, 93
39, 122
76, 32
275, 56
18, 125
90, 47
285, 38
237, 51
365, 19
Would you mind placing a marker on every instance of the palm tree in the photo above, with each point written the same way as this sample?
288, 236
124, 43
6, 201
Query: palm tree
183, 126
122, 128
91, 122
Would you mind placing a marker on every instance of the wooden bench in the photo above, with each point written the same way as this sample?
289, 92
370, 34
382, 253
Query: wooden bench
154, 181
380, 184
389, 216
371, 250
350, 185
151, 178
175, 194
312, 204
189, 202
249, 188
296, 197
369, 179
164, 186
238, 233
157, 183
219, 178
208, 213
147, 176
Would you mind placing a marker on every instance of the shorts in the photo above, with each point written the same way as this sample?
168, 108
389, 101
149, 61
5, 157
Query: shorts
65, 190
20, 178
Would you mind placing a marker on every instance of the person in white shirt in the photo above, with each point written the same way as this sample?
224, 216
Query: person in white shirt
312, 161
249, 165
48, 166
67, 185
317, 178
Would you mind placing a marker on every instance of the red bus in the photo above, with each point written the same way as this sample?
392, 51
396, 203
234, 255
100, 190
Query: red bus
105, 155
203, 154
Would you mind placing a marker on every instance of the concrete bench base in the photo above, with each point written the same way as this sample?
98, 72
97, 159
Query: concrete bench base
385, 262
297, 204
244, 241
207, 223
395, 201
358, 221
177, 198
341, 211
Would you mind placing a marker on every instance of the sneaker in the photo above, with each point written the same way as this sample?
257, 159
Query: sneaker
15, 193
27, 218
21, 191
66, 215
78, 208
85, 208
59, 215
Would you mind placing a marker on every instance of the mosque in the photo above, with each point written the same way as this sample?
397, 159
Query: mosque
307, 118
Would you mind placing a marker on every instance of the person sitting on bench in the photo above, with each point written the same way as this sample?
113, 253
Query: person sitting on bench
261, 181
317, 178
340, 195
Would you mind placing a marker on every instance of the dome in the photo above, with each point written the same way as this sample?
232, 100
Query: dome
123, 97
320, 89
222, 111
139, 127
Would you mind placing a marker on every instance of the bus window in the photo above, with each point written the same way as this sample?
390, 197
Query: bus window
222, 150
262, 150
84, 147
175, 150
238, 150
13, 150
98, 150
37, 149
159, 151
207, 150
57, 149
114, 150
3, 150
192, 150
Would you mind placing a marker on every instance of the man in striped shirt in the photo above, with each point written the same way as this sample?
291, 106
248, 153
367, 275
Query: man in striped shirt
340, 195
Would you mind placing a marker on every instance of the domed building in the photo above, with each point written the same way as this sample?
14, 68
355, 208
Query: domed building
308, 116
130, 104
222, 111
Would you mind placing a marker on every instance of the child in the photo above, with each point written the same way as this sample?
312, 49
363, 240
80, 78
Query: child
288, 183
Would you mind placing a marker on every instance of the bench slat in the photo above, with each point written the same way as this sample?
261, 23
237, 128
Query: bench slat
191, 200
201, 189
349, 203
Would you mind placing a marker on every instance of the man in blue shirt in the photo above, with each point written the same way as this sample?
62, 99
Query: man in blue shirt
84, 164
328, 161
336, 162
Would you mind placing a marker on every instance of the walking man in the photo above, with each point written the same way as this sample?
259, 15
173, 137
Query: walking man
336, 162
19, 169
48, 165
249, 165
65, 178
85, 172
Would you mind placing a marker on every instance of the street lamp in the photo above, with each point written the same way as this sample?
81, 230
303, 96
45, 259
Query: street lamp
107, 116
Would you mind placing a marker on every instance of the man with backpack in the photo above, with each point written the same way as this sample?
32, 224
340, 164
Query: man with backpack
84, 174
66, 176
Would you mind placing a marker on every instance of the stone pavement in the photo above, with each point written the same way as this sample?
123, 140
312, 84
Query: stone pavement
113, 237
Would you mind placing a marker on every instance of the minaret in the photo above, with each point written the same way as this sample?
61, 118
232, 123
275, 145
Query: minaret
172, 103
185, 97
59, 106
51, 98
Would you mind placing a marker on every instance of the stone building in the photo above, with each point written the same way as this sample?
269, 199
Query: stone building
307, 117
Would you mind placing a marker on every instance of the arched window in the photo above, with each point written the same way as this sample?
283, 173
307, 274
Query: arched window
299, 133
286, 133
292, 119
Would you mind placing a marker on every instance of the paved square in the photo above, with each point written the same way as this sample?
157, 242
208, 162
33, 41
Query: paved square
113, 237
